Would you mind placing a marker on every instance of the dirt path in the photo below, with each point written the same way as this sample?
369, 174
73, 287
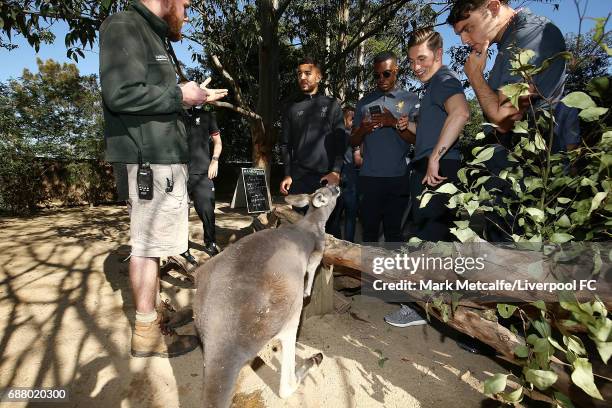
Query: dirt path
65, 312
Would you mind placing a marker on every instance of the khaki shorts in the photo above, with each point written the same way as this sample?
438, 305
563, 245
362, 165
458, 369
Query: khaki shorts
160, 227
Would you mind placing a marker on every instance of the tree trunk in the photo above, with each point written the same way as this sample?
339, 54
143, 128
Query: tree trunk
343, 18
361, 54
264, 134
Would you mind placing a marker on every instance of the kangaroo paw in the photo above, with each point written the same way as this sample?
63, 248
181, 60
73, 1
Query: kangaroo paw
301, 372
317, 358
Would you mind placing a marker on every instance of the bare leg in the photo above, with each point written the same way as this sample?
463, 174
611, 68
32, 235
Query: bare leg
288, 380
311, 269
157, 291
144, 277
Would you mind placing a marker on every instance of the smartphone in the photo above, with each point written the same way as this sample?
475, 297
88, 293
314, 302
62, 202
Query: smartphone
375, 110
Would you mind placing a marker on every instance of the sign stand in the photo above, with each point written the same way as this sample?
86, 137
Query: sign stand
252, 191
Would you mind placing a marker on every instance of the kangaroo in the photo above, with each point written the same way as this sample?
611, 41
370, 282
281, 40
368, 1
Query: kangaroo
253, 292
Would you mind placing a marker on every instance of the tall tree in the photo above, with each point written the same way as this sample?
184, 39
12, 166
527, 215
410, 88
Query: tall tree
54, 113
57, 111
590, 59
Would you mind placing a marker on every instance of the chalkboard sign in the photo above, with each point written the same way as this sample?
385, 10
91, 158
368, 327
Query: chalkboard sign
252, 191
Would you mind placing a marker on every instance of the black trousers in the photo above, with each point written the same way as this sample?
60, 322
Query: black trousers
383, 200
307, 184
499, 228
432, 222
202, 192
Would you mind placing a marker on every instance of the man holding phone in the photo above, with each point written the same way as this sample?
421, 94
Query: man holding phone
145, 133
383, 178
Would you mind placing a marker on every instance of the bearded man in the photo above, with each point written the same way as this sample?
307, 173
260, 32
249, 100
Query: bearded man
312, 138
144, 130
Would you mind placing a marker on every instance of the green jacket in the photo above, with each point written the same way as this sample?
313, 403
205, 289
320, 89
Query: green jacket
140, 94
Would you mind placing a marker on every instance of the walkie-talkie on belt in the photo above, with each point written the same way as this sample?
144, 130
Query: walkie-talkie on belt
144, 181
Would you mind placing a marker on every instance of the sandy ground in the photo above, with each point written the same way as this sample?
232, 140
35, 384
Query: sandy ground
65, 313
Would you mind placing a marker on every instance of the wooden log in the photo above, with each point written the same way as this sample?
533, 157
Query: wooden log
341, 303
178, 264
500, 265
321, 300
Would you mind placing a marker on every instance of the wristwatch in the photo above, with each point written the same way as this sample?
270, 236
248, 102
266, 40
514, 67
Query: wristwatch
215, 158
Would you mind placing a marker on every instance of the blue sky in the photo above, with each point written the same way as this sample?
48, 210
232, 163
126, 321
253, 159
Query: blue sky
13, 62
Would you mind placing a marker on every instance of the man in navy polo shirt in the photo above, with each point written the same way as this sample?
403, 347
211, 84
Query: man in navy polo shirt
443, 113
383, 178
480, 23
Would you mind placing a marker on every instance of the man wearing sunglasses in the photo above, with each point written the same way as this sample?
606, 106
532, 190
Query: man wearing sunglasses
383, 183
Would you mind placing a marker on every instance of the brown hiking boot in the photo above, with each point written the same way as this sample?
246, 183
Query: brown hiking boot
148, 341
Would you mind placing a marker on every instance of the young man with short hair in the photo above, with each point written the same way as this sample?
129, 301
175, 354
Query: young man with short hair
480, 23
312, 139
443, 112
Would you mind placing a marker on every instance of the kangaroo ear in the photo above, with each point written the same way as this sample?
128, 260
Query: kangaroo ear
298, 200
319, 200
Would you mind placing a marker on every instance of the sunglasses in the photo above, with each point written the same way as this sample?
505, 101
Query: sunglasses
386, 74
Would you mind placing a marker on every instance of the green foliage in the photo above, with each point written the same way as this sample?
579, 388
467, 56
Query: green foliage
556, 198
590, 66
504, 310
20, 176
495, 384
53, 115
535, 355
553, 201
33, 18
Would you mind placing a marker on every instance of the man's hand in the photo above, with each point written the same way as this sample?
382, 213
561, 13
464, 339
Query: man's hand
212, 94
432, 178
402, 123
385, 119
192, 94
285, 185
357, 159
332, 178
476, 61
369, 125
213, 169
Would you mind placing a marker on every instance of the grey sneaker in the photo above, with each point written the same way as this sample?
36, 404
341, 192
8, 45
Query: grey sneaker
405, 316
